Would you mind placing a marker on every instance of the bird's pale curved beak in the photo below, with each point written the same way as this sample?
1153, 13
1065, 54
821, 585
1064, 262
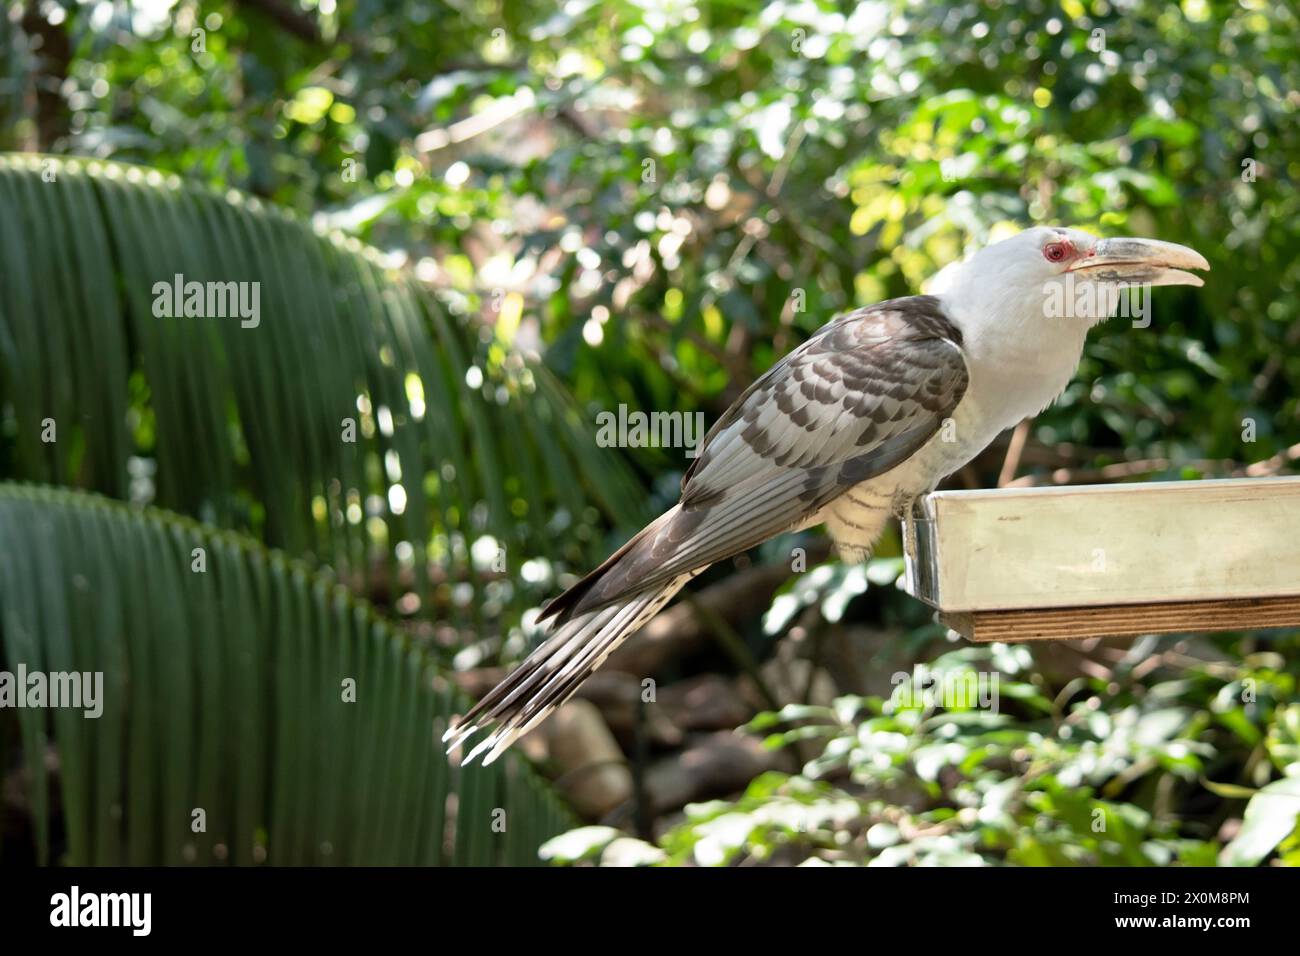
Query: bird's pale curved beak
1141, 262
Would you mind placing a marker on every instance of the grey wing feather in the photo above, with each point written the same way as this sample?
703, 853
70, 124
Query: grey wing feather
855, 400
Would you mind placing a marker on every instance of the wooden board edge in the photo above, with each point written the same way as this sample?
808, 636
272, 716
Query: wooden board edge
1124, 620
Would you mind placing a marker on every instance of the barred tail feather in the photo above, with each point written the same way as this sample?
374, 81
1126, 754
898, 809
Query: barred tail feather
551, 674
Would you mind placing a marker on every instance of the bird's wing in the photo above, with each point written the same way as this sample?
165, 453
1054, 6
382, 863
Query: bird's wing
858, 384
855, 400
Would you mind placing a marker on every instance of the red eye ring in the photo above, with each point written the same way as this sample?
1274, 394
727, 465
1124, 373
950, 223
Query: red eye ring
1055, 252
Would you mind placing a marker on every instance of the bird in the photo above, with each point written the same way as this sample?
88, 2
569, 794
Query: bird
847, 430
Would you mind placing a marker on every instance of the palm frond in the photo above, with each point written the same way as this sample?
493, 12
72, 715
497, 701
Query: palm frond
226, 700
456, 438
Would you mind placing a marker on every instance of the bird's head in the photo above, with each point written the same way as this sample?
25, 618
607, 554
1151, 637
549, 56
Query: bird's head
1051, 274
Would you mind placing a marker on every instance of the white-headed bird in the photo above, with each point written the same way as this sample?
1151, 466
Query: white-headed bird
847, 430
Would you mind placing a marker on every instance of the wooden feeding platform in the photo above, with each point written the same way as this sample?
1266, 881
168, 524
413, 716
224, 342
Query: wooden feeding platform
1043, 564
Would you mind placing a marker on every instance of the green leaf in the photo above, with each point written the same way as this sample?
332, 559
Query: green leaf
1270, 817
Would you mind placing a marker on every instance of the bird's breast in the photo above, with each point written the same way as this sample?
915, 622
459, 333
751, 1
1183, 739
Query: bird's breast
995, 400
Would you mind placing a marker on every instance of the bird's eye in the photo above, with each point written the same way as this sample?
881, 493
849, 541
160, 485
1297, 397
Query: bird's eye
1055, 252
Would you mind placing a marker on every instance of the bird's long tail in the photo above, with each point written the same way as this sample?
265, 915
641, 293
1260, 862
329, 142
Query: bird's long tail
551, 673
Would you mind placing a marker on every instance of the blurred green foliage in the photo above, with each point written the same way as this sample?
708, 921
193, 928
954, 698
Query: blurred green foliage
1113, 771
660, 199
680, 170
